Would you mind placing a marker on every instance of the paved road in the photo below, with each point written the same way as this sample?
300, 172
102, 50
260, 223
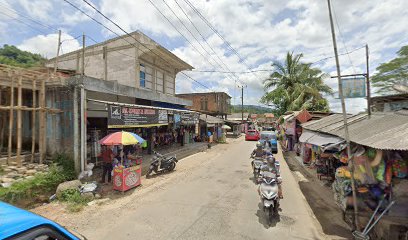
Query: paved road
210, 196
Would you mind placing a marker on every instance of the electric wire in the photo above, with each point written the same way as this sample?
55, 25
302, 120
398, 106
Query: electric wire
24, 23
28, 18
241, 59
342, 39
204, 39
121, 37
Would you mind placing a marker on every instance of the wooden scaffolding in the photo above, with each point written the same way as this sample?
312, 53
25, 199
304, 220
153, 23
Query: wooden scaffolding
12, 82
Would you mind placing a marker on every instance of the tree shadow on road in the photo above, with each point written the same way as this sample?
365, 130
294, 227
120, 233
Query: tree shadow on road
263, 219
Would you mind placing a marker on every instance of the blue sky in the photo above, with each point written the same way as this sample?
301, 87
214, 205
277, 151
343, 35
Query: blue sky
261, 31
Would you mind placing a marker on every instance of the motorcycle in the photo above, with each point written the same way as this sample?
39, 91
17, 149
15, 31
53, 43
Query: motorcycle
256, 168
268, 191
168, 164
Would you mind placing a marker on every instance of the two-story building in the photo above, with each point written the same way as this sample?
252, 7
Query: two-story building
211, 103
127, 82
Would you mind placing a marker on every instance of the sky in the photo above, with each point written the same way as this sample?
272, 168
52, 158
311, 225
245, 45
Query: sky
259, 32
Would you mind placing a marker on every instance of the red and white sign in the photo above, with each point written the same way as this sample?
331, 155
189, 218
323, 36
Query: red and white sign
126, 178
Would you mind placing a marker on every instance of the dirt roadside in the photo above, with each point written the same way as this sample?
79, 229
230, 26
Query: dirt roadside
321, 200
57, 212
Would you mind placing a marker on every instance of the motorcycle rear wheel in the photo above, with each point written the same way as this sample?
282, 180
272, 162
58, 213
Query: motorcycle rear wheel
149, 173
172, 166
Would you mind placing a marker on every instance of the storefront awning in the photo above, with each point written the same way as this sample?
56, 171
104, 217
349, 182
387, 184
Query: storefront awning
325, 141
211, 119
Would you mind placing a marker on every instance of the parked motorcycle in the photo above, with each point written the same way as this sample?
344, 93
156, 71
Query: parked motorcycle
268, 191
256, 168
168, 164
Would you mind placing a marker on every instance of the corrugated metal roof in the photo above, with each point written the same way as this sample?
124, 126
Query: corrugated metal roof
210, 119
380, 130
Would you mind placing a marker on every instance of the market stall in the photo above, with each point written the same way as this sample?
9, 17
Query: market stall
127, 170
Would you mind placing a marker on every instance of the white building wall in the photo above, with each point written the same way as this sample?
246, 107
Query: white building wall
123, 65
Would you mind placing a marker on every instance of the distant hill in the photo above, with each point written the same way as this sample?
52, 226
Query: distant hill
251, 109
13, 56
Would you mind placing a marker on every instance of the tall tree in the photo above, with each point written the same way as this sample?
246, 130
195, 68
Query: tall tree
11, 55
393, 73
295, 85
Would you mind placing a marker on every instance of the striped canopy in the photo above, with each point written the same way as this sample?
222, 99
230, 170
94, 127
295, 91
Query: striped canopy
121, 138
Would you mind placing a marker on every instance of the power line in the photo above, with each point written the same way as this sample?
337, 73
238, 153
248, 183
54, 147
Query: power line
271, 70
204, 39
168, 20
29, 18
342, 39
121, 37
22, 22
338, 55
241, 59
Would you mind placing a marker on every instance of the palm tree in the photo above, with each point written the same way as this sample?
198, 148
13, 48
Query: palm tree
296, 85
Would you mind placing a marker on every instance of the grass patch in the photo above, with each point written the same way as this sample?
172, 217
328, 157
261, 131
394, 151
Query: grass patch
42, 185
74, 199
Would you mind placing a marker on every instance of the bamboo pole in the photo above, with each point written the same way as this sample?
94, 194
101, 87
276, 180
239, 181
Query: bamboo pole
19, 120
41, 122
11, 119
33, 127
2, 125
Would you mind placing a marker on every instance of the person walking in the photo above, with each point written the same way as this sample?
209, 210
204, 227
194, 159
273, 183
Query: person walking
107, 157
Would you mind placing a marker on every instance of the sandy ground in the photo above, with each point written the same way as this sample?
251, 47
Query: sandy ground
210, 195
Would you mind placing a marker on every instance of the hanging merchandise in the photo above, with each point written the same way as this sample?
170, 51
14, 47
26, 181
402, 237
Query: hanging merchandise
376, 155
380, 171
343, 172
343, 157
363, 170
399, 166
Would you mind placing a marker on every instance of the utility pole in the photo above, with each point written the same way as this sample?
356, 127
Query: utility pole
242, 102
83, 55
343, 107
58, 50
368, 83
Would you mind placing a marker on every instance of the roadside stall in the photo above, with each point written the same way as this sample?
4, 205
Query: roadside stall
127, 169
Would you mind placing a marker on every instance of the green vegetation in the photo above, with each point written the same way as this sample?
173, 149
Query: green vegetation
392, 72
74, 199
295, 86
41, 186
11, 55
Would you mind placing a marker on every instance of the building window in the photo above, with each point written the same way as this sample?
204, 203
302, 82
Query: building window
142, 76
204, 104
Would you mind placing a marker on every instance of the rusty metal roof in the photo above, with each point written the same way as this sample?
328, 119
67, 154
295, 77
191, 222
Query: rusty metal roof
387, 131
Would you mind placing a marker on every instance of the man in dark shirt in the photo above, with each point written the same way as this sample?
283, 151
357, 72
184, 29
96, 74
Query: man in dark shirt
107, 157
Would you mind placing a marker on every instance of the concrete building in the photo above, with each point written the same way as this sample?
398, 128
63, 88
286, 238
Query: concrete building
213, 103
123, 84
389, 103
145, 65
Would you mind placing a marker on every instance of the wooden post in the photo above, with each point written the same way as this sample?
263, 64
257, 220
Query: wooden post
368, 83
3, 121
105, 63
19, 120
33, 116
58, 50
42, 122
11, 119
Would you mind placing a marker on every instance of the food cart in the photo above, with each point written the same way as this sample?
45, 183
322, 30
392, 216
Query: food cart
126, 173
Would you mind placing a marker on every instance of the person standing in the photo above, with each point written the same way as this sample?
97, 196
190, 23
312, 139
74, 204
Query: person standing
107, 157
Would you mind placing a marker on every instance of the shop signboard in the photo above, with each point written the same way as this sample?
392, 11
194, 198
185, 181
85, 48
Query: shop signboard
189, 118
354, 87
124, 116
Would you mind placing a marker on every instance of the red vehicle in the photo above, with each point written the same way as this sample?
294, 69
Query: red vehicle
252, 135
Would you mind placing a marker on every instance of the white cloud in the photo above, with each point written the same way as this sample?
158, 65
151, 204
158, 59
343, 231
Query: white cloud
260, 30
46, 45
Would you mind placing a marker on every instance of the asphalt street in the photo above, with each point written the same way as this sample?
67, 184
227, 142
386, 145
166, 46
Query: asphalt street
211, 195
